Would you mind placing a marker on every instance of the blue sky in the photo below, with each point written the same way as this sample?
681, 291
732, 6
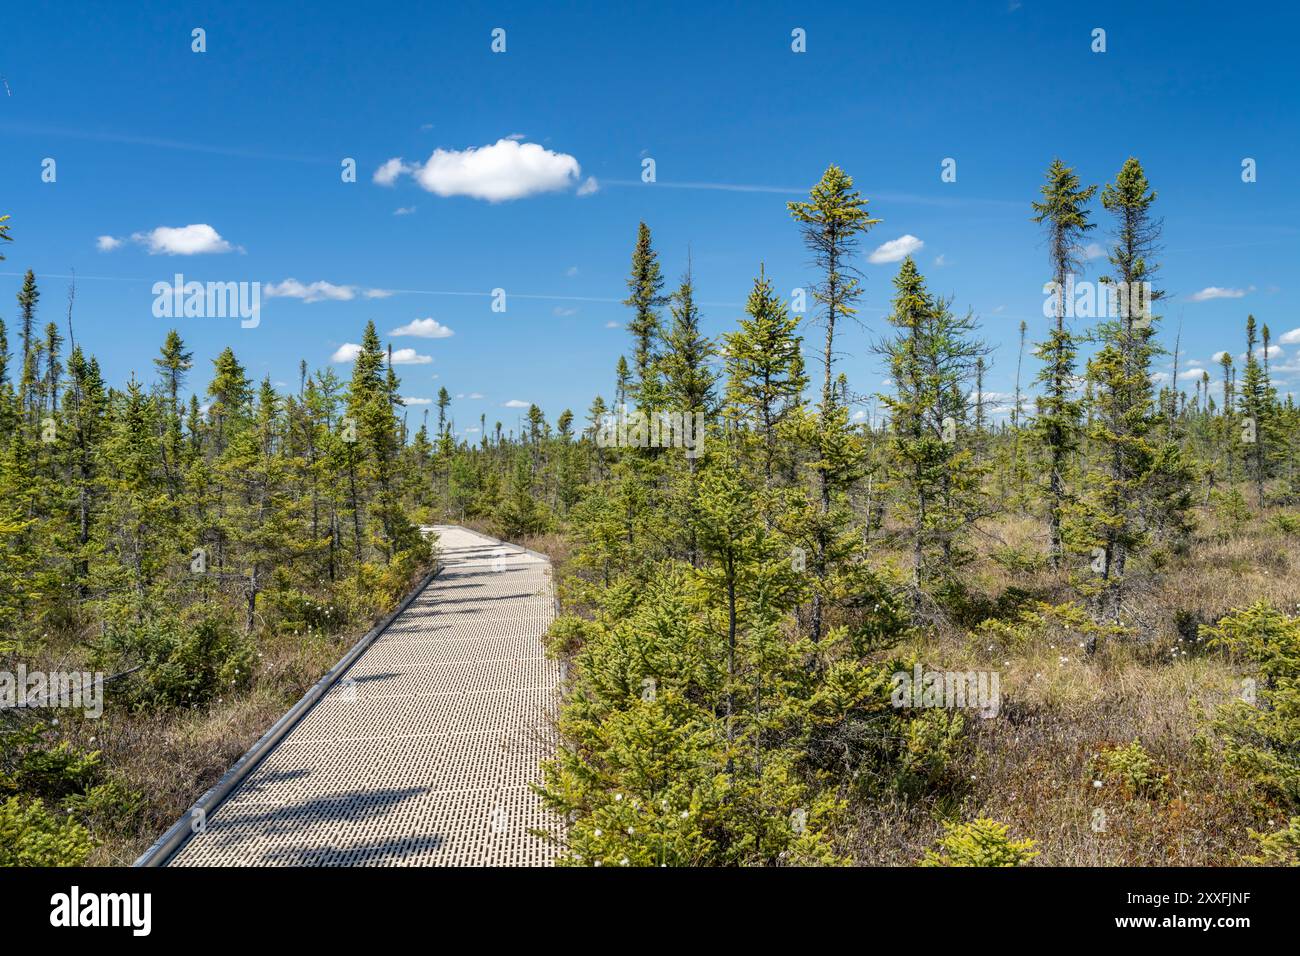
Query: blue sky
247, 139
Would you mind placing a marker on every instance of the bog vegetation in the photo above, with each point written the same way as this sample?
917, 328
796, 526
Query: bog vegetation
1115, 546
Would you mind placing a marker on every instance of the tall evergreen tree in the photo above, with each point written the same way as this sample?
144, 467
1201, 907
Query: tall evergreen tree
1063, 213
645, 296
832, 223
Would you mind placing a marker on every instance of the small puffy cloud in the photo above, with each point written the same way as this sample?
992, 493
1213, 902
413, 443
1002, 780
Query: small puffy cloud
1274, 351
571, 271
424, 329
515, 403
348, 352
313, 292
192, 240
940, 261
1092, 251
1218, 292
416, 401
895, 250
613, 325
1290, 338
403, 210
387, 174
589, 186
410, 357
562, 312
1218, 356
107, 243
474, 395
505, 170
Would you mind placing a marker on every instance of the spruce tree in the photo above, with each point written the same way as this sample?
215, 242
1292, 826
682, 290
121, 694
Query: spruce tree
1064, 214
933, 358
832, 223
765, 379
645, 296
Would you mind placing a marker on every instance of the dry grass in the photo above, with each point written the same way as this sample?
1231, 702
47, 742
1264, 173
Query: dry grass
1034, 765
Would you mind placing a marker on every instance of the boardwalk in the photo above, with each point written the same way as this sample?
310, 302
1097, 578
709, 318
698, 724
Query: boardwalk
421, 755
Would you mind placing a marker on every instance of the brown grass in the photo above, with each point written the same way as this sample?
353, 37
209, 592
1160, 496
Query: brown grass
1033, 766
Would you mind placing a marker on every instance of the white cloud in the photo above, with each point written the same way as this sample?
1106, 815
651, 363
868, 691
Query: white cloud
416, 401
613, 325
315, 292
107, 243
192, 240
1290, 338
403, 210
347, 352
387, 174
1273, 351
561, 311
475, 395
940, 261
589, 186
514, 403
1217, 292
571, 271
895, 250
319, 291
1092, 251
508, 169
424, 329
410, 357
1218, 356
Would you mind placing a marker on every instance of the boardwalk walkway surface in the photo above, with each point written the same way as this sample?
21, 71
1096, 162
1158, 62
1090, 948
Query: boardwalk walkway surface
421, 754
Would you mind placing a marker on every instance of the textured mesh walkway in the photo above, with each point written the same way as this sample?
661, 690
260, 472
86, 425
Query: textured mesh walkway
422, 753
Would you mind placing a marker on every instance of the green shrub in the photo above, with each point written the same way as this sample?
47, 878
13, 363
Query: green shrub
31, 766
1284, 523
31, 836
1260, 731
296, 612
1133, 769
981, 842
186, 663
933, 742
566, 634
1231, 509
107, 806
1280, 848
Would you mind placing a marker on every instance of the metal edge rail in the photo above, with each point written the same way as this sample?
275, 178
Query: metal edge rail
181, 830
